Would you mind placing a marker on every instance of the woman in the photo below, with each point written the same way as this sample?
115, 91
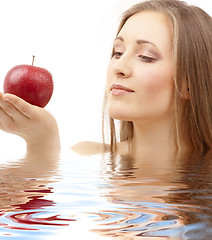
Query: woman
159, 85
160, 79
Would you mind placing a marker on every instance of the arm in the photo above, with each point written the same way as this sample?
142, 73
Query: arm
90, 148
35, 125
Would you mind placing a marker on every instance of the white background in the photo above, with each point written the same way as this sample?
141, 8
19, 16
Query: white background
72, 39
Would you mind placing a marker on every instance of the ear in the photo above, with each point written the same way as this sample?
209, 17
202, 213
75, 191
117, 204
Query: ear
185, 91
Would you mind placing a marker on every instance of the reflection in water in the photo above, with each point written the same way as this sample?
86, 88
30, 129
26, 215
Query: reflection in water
165, 202
113, 197
23, 188
29, 218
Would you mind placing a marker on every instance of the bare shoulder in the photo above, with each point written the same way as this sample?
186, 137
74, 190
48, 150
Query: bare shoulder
89, 148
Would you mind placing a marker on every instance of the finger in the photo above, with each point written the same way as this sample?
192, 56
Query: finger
6, 122
11, 110
22, 106
4, 116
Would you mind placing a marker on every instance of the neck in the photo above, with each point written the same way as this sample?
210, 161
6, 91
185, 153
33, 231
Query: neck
152, 135
154, 139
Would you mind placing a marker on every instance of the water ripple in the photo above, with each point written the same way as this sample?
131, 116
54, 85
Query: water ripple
148, 219
22, 220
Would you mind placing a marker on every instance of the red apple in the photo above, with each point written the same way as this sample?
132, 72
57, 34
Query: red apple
33, 84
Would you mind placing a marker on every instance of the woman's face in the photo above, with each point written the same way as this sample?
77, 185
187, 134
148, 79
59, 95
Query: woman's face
140, 82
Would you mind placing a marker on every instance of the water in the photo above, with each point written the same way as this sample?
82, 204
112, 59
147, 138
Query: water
105, 197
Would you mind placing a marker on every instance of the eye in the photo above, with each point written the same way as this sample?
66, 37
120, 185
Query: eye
147, 59
117, 54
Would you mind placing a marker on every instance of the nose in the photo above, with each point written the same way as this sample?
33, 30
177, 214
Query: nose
122, 67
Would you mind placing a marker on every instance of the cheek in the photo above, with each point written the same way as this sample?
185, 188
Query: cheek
156, 82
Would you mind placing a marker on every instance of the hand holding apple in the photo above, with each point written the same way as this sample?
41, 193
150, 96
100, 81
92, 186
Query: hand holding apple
33, 84
34, 124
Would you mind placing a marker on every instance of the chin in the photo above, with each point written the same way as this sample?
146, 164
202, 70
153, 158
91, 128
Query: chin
121, 111
118, 115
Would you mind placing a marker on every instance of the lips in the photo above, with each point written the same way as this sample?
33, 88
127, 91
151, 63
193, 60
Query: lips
119, 90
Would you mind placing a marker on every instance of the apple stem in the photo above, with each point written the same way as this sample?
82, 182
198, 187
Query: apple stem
33, 60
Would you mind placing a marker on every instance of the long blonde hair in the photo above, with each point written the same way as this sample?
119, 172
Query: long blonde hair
192, 52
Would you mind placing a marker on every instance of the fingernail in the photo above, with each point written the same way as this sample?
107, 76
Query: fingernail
6, 99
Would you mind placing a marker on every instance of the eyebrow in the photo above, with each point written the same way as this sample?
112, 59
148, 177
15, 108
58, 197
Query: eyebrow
139, 41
